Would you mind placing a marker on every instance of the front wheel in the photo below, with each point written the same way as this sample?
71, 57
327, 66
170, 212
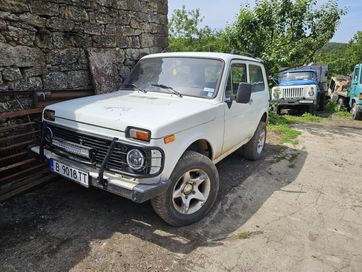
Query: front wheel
192, 192
356, 115
254, 148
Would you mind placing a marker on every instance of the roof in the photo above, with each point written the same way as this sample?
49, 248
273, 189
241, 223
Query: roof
223, 56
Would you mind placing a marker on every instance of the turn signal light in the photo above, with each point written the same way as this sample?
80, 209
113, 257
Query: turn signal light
169, 139
139, 134
360, 96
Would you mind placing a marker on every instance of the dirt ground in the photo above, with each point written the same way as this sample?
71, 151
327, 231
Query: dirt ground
298, 209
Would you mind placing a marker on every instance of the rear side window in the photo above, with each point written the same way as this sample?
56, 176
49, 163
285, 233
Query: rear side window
256, 78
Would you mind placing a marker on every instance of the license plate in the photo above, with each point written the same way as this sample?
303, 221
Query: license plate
306, 101
70, 172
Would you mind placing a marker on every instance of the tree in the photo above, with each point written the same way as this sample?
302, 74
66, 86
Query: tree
283, 32
186, 34
342, 59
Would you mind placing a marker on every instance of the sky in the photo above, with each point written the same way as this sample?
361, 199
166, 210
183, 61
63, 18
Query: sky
219, 13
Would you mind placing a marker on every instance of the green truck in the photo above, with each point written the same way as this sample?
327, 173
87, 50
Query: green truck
347, 92
355, 93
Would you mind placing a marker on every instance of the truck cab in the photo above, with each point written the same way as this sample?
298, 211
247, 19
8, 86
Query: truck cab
301, 87
355, 93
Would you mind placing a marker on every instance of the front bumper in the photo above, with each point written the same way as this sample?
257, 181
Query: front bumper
112, 182
293, 102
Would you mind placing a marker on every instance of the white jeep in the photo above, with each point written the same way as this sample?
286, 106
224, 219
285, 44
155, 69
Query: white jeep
159, 137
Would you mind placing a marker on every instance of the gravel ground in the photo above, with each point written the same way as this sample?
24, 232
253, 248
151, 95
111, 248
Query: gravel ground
298, 209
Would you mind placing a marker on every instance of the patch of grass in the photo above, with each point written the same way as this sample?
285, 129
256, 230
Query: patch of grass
332, 109
280, 124
248, 234
288, 134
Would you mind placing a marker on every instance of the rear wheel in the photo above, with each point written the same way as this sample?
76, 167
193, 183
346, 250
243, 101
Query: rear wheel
254, 148
192, 193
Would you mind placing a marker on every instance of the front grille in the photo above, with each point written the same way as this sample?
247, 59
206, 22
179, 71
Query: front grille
117, 161
293, 92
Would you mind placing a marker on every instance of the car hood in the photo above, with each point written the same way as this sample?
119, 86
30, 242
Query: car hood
298, 82
162, 114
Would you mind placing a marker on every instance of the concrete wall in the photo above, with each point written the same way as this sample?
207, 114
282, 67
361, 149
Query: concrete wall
44, 45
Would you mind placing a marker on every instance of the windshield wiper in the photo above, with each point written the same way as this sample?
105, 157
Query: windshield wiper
167, 88
134, 86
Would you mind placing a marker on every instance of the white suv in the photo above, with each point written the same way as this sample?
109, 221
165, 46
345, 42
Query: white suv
159, 137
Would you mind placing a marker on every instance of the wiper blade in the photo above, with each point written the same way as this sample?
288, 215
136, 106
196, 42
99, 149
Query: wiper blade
162, 86
134, 86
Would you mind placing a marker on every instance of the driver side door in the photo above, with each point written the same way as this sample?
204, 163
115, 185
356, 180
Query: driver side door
237, 121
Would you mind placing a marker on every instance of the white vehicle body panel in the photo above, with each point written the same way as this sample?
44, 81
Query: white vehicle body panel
188, 118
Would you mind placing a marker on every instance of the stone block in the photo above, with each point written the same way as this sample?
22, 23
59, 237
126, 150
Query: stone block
29, 84
20, 56
79, 80
63, 56
93, 29
60, 24
45, 8
21, 36
14, 6
147, 40
104, 41
77, 14
3, 24
11, 74
32, 19
55, 81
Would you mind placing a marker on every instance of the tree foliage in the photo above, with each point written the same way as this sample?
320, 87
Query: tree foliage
281, 32
186, 33
342, 59
284, 32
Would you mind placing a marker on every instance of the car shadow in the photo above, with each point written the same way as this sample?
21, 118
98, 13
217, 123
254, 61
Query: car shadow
62, 219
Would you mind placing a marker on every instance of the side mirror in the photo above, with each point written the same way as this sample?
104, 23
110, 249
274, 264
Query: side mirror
244, 93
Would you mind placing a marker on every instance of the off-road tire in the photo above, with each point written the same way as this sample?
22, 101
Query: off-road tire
312, 109
355, 114
321, 102
250, 150
163, 204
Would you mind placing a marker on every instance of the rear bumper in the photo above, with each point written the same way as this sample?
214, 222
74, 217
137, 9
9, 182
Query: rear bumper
293, 102
112, 182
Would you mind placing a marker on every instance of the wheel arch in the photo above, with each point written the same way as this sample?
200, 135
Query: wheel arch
201, 146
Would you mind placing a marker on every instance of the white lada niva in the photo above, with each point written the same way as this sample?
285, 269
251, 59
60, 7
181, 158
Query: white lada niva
159, 137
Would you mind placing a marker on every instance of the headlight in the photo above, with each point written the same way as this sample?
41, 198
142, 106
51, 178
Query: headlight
311, 91
135, 159
276, 93
48, 135
49, 115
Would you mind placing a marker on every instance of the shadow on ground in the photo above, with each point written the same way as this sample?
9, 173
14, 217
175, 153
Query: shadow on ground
52, 228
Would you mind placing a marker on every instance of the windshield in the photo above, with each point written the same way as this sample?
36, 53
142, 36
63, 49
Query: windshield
188, 76
295, 76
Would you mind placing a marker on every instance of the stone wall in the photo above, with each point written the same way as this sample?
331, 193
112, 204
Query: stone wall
45, 45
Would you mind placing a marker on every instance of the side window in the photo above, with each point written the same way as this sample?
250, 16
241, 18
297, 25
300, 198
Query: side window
237, 75
256, 78
355, 75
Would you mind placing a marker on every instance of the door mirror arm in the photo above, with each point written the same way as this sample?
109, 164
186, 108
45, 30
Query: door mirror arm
228, 101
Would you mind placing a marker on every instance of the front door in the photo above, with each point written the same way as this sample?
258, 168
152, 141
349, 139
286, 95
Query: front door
237, 119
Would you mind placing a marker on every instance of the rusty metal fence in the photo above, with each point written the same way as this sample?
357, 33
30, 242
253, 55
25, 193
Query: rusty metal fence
19, 128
